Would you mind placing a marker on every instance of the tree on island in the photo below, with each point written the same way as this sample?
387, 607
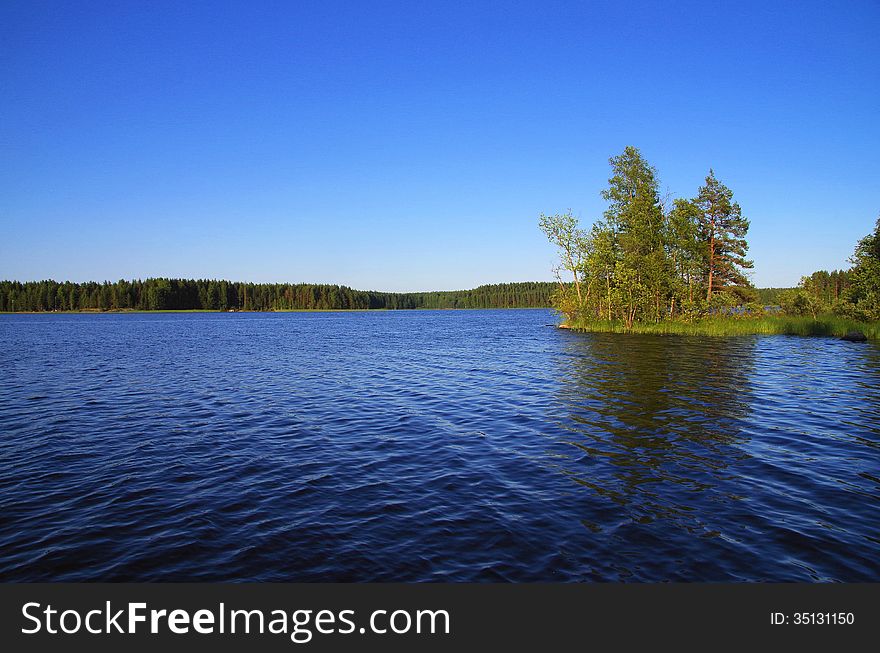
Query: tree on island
686, 249
643, 263
723, 229
634, 222
562, 230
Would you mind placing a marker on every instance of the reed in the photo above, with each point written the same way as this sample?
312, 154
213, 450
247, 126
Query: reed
824, 325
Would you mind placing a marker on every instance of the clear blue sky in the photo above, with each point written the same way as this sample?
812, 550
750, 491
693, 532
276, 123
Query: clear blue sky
412, 145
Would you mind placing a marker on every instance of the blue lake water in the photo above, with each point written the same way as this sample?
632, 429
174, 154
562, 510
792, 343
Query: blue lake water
430, 446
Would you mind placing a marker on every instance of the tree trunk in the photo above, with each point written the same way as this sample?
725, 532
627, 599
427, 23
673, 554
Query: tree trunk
608, 285
711, 259
577, 283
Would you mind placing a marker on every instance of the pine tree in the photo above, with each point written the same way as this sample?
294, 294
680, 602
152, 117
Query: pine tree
723, 230
635, 218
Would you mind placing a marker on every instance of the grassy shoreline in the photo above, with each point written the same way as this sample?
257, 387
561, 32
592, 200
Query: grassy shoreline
824, 325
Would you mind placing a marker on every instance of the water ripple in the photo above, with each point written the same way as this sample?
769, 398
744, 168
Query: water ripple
420, 445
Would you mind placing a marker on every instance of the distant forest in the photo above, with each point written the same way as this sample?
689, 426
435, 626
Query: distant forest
828, 288
221, 295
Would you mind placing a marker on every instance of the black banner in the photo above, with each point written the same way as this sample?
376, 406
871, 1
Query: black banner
323, 617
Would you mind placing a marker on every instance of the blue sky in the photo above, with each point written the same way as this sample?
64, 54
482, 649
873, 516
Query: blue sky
412, 145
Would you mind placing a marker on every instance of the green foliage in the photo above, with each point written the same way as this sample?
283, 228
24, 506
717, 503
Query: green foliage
862, 298
202, 294
824, 325
799, 302
770, 296
562, 230
853, 293
565, 300
641, 266
723, 230
642, 263
828, 288
755, 309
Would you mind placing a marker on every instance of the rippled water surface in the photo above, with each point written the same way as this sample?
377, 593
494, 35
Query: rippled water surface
430, 445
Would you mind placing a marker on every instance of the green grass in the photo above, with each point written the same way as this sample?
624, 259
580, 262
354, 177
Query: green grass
825, 325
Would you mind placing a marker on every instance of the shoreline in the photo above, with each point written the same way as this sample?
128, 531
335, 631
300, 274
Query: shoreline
828, 326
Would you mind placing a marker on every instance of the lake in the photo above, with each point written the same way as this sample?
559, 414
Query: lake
430, 446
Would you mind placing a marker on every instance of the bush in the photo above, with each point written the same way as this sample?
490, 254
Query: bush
799, 302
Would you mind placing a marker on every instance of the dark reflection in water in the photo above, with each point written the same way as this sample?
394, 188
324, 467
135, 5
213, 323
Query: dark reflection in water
420, 445
724, 458
659, 399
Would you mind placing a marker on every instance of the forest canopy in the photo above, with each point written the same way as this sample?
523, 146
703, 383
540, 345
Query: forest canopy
220, 295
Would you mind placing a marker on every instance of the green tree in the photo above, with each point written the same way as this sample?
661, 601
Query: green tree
636, 222
562, 230
862, 298
799, 302
602, 258
723, 230
686, 252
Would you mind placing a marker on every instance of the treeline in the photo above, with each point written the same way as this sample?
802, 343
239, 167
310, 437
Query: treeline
771, 296
529, 294
853, 293
221, 295
648, 260
821, 292
828, 289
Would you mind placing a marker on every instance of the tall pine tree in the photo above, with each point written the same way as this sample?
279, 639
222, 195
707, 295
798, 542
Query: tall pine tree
723, 229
